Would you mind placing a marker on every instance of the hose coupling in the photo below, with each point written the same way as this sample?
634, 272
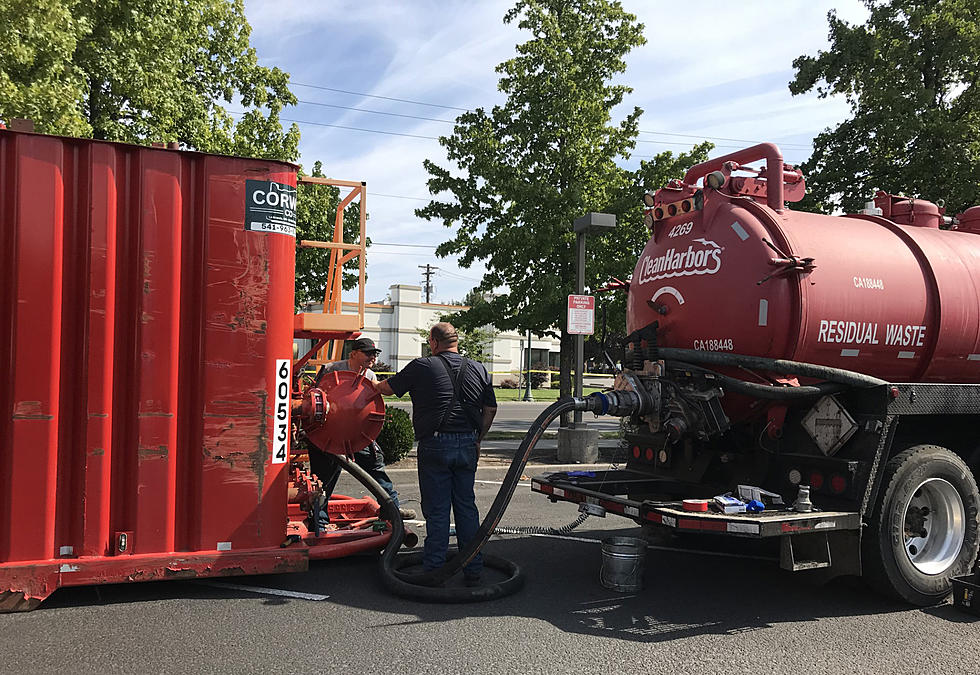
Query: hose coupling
618, 403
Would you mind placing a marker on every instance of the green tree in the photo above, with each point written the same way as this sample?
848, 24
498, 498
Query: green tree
531, 165
911, 74
38, 79
141, 70
614, 257
316, 210
475, 343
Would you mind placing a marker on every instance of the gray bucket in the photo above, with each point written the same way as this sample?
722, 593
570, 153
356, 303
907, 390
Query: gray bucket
622, 564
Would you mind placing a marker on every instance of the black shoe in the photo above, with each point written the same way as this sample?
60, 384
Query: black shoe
473, 581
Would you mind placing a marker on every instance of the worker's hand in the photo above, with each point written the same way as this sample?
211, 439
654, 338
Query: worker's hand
383, 388
478, 450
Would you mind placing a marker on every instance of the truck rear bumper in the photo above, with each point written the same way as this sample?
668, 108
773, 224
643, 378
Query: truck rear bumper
606, 489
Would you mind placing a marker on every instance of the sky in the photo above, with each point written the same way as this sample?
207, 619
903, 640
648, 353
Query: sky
380, 81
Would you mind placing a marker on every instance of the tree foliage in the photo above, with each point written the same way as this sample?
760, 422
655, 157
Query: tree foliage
531, 165
141, 70
614, 256
38, 78
316, 209
475, 343
911, 74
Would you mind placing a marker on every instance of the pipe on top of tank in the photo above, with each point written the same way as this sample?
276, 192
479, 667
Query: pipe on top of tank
774, 169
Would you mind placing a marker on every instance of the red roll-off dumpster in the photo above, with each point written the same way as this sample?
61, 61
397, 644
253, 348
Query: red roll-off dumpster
146, 319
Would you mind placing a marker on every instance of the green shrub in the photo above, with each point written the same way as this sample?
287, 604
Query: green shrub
509, 383
381, 367
538, 378
396, 437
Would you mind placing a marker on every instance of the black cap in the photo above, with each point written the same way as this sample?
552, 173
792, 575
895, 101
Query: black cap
364, 344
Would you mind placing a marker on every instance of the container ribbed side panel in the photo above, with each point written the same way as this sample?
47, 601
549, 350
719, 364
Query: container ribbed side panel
140, 324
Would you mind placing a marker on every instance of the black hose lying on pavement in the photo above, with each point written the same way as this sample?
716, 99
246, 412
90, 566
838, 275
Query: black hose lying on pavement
400, 584
428, 586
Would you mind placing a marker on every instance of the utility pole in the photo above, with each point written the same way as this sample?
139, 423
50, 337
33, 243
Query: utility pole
429, 271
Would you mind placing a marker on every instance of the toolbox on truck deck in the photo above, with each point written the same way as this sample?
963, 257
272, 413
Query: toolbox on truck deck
605, 489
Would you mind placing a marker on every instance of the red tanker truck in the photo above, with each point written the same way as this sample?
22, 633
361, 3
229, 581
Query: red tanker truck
830, 363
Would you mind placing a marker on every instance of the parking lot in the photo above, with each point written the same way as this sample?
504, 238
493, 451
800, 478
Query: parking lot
705, 606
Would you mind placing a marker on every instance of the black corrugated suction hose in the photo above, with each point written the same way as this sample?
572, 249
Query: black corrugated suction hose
845, 377
427, 586
759, 390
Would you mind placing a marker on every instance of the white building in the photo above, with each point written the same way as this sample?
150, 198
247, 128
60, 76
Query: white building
394, 326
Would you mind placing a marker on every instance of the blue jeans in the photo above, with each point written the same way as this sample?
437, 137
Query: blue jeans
447, 471
371, 459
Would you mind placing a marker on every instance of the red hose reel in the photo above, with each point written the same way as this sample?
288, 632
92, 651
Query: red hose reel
343, 413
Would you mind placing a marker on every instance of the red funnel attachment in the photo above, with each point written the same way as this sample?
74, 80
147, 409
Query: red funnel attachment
354, 413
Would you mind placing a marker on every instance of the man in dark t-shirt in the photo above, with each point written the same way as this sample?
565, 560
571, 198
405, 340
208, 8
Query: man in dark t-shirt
453, 406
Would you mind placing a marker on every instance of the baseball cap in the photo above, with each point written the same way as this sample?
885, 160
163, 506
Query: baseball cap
364, 344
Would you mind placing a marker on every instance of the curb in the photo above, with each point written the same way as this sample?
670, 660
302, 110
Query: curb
552, 435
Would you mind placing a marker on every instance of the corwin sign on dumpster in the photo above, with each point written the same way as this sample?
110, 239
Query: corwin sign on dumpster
270, 207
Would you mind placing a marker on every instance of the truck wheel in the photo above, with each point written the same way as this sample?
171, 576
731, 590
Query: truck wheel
925, 530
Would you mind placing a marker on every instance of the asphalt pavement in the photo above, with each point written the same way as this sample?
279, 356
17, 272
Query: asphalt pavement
515, 417
707, 606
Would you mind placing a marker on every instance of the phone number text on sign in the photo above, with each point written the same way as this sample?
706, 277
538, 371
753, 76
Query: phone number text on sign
270, 207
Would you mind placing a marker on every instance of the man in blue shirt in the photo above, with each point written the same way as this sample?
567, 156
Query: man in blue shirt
453, 406
363, 355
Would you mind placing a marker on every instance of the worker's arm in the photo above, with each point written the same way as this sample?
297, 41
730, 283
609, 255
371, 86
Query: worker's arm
485, 421
383, 388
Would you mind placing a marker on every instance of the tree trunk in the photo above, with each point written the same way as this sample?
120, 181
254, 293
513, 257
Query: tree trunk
94, 108
565, 377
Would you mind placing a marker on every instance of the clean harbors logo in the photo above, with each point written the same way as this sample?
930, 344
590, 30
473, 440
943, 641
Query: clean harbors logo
701, 257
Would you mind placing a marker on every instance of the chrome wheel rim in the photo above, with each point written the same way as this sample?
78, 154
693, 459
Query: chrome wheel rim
934, 526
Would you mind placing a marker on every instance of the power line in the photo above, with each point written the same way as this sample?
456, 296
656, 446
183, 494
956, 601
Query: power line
340, 126
409, 255
386, 98
378, 194
642, 131
719, 138
376, 112
381, 243
436, 138
460, 276
449, 107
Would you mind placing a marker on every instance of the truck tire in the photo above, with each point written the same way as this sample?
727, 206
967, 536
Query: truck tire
925, 529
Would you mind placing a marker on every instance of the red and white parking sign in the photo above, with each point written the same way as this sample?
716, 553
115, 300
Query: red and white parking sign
581, 314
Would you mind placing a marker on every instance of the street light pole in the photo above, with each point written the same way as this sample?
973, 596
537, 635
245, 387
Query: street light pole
527, 373
579, 443
579, 339
582, 224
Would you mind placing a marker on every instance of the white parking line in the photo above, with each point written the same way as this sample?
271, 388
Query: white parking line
316, 597
500, 482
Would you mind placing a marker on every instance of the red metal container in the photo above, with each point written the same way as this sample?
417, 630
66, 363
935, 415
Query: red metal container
145, 330
892, 295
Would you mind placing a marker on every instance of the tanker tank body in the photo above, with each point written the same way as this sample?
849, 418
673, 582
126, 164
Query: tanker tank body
781, 349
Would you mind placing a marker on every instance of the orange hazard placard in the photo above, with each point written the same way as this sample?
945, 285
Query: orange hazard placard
581, 314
